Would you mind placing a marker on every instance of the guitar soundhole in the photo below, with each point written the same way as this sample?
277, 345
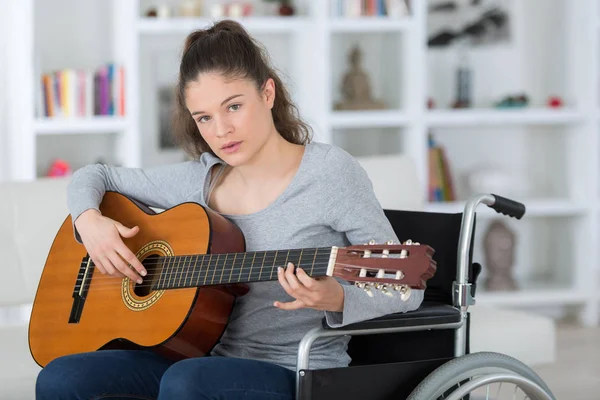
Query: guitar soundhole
153, 267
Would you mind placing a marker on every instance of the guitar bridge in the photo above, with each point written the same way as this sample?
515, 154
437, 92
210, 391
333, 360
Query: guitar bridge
81, 288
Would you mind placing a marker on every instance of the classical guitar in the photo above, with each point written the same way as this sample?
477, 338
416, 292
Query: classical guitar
197, 266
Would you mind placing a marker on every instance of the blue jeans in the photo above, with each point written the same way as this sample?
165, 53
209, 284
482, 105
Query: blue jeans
137, 374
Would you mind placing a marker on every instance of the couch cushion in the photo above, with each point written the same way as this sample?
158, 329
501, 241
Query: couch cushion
18, 371
30, 215
395, 181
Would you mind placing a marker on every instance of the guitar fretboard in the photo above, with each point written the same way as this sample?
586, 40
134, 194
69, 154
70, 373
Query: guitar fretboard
217, 269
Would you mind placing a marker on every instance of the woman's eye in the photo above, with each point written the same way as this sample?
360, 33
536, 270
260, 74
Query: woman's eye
204, 118
234, 107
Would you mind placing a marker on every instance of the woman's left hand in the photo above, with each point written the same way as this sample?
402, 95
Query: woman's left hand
323, 293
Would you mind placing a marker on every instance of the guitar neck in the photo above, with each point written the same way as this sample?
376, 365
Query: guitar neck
228, 268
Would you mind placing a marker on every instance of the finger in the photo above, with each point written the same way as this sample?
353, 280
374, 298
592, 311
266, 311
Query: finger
283, 281
125, 269
127, 232
297, 287
98, 265
292, 305
305, 280
131, 259
110, 268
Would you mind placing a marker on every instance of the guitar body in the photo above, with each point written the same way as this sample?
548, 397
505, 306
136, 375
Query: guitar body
177, 323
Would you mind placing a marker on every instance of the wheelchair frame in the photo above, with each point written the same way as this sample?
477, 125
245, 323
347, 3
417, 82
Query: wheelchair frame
461, 293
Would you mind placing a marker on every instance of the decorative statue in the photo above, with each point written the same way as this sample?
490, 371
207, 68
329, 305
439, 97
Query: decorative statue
355, 87
499, 248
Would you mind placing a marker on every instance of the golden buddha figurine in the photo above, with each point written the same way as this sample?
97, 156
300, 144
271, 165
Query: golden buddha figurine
355, 87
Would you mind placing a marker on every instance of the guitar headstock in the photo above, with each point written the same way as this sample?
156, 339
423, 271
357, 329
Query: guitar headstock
387, 267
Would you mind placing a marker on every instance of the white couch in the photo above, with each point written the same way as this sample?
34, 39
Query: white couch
31, 213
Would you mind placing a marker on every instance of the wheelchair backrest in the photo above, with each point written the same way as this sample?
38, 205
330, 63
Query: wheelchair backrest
440, 231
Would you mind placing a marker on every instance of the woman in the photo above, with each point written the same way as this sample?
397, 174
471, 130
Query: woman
253, 163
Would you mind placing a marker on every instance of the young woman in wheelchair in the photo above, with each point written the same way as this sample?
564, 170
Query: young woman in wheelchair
253, 162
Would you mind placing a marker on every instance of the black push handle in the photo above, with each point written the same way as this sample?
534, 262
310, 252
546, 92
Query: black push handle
508, 207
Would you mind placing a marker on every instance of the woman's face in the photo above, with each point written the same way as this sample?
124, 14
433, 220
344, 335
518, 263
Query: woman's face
233, 117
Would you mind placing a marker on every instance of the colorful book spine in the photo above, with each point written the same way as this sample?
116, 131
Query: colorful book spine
441, 184
364, 8
71, 93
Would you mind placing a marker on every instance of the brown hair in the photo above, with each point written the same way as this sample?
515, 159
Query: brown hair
228, 49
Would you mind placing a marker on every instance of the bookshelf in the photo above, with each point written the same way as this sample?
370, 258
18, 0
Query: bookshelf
557, 150
77, 126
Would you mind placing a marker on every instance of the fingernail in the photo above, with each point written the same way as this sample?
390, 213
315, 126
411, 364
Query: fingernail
290, 265
279, 269
143, 273
139, 281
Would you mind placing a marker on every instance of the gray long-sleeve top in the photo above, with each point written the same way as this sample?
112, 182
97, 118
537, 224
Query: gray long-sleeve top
329, 202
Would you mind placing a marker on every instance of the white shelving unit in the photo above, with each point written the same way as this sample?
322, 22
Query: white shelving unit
92, 125
491, 117
562, 143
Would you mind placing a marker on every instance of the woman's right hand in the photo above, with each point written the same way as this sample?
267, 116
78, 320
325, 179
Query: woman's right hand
101, 237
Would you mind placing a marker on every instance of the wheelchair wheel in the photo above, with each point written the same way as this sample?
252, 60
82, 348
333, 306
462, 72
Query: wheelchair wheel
484, 375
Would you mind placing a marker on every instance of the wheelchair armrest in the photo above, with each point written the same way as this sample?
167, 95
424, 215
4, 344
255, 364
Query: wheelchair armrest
430, 313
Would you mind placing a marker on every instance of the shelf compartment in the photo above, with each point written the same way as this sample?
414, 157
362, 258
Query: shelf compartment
368, 119
255, 25
370, 24
479, 117
534, 208
91, 125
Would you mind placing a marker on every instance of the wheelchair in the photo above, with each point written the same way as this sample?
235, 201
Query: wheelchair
424, 354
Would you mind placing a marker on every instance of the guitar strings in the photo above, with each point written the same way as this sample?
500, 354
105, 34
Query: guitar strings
183, 273
182, 265
108, 282
178, 268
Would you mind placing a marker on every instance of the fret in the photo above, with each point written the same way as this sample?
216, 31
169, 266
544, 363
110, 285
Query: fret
207, 269
161, 275
191, 270
287, 255
212, 280
223, 269
241, 266
185, 271
312, 267
262, 264
274, 260
251, 264
179, 271
300, 259
195, 269
170, 277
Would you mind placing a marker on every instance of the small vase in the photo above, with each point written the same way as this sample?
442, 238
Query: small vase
286, 9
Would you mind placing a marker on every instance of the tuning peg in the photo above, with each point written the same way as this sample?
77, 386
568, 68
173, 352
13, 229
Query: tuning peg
368, 290
385, 291
399, 275
367, 254
372, 242
390, 242
403, 253
405, 292
408, 242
